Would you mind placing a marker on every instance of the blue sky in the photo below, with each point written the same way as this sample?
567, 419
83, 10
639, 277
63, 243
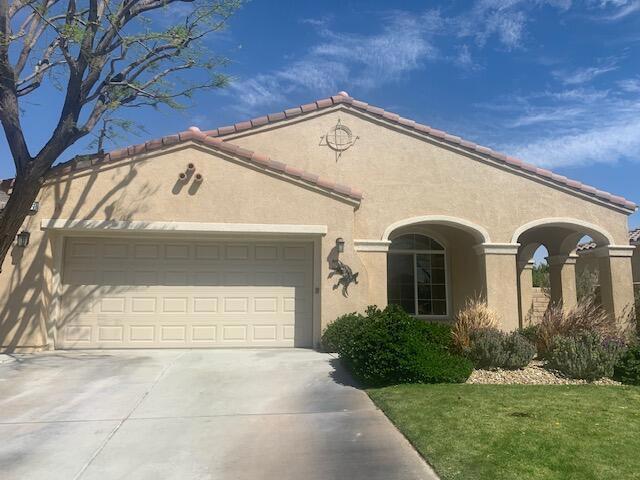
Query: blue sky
554, 82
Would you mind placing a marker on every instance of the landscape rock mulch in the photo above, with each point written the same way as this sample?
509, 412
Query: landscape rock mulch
533, 374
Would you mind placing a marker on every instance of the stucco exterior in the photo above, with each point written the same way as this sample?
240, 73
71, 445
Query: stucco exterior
485, 213
587, 261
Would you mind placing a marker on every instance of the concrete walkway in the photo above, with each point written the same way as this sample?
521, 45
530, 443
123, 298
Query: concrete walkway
193, 414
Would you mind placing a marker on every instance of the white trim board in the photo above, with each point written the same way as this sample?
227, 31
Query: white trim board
180, 227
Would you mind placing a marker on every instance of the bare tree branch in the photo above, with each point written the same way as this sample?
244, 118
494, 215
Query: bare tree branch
108, 54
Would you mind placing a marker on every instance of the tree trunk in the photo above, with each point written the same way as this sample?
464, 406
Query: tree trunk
25, 191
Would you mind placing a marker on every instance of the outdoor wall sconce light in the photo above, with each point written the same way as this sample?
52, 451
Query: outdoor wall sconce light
35, 206
340, 244
22, 239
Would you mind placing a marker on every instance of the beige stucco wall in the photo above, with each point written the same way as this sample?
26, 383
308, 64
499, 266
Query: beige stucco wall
401, 175
587, 261
142, 190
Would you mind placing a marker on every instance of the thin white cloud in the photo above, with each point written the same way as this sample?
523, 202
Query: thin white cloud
631, 85
573, 127
346, 60
406, 42
583, 75
599, 144
504, 19
547, 115
613, 10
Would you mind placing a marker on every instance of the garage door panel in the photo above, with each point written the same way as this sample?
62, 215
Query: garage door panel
126, 293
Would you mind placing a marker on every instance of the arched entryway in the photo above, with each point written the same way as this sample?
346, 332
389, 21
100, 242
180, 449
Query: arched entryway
561, 236
432, 267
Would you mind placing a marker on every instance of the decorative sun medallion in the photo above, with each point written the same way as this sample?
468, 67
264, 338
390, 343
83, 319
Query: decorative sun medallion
339, 138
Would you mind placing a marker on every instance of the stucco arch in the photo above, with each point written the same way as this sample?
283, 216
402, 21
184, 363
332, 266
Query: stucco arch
479, 233
599, 234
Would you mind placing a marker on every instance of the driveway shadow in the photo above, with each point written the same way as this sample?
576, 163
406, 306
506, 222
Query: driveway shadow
341, 375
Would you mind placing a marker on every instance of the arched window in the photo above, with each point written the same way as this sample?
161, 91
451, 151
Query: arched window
416, 275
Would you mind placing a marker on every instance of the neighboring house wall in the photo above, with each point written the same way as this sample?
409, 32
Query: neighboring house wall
635, 262
410, 183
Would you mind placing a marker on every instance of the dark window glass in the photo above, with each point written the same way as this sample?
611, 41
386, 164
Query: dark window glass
401, 281
417, 281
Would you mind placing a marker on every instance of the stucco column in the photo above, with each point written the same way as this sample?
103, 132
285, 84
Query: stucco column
525, 289
373, 255
562, 278
501, 281
616, 278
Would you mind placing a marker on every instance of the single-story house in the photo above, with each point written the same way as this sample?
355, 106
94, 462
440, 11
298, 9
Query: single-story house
588, 261
263, 232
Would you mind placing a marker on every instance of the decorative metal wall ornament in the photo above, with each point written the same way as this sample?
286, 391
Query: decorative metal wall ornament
339, 139
347, 277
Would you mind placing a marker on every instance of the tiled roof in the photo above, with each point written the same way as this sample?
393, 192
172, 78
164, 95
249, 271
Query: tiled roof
195, 135
634, 239
344, 99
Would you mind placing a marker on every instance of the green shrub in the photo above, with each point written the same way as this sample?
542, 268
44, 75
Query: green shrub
585, 355
437, 334
389, 346
519, 351
491, 348
627, 368
530, 332
339, 331
438, 366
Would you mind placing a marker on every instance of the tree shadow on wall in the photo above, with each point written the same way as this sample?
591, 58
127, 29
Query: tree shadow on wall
26, 300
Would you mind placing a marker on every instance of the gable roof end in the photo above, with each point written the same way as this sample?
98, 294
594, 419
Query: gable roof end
344, 99
195, 135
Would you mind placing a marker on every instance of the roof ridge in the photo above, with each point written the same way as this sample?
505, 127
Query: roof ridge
195, 134
343, 98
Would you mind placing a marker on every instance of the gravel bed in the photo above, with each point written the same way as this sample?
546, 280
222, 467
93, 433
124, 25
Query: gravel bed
532, 374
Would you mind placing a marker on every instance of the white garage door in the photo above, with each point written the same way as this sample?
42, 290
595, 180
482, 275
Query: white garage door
119, 293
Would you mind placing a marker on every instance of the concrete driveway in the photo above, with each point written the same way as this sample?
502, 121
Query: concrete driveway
193, 414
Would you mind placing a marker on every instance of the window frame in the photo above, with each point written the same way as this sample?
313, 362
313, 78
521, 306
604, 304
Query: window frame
414, 253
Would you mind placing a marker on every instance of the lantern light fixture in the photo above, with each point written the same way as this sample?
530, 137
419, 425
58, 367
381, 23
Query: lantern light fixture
340, 244
22, 239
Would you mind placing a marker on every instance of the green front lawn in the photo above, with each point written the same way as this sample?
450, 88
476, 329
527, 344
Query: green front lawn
520, 432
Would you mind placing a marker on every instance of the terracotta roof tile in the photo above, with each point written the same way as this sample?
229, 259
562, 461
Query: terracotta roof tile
309, 107
405, 122
634, 239
209, 137
325, 102
292, 112
242, 126
260, 159
226, 130
513, 161
257, 122
344, 98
